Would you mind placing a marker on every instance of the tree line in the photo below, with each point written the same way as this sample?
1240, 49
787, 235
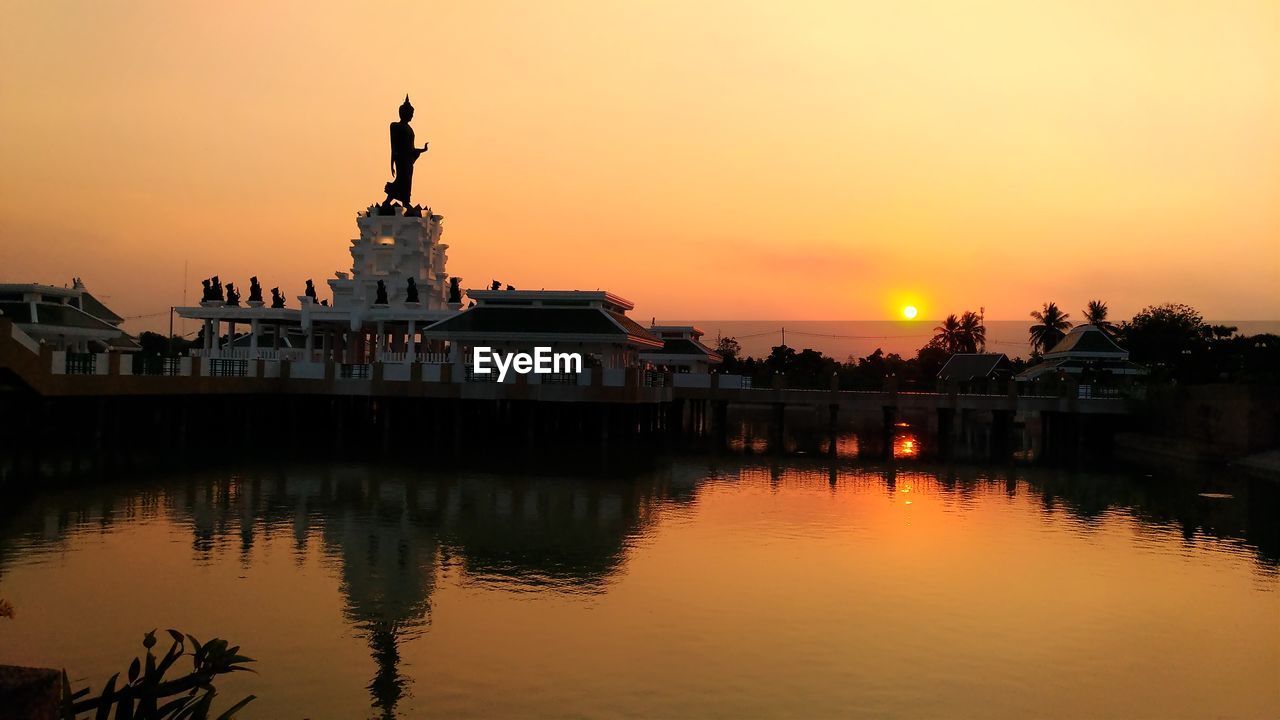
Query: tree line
1172, 340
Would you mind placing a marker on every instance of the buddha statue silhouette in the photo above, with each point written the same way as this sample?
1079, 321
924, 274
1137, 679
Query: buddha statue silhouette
403, 156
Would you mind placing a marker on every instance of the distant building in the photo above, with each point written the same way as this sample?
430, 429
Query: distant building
593, 323
682, 350
1085, 350
967, 369
65, 318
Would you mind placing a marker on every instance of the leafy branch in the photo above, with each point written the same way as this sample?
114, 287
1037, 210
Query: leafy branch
146, 695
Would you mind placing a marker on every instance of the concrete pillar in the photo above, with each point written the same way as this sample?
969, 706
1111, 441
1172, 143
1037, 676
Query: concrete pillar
410, 346
889, 417
946, 431
253, 338
833, 417
380, 347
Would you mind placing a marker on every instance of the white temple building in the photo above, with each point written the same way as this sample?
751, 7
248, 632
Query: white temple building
374, 316
682, 350
64, 318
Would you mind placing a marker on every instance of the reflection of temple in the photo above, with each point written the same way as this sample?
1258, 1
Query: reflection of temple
390, 534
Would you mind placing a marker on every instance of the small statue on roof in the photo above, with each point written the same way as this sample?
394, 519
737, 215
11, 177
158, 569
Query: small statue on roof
255, 290
411, 292
277, 298
233, 295
495, 285
455, 289
380, 298
217, 290
207, 294
311, 290
511, 287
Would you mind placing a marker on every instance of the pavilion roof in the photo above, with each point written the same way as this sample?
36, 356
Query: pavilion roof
491, 320
1087, 341
970, 366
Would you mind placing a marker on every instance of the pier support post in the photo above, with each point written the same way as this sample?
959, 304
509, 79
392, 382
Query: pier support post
889, 416
946, 431
833, 420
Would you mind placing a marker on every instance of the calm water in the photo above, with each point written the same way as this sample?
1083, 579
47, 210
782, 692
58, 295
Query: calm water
728, 587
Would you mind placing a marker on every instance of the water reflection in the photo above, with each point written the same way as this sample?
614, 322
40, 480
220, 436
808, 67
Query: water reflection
391, 535
906, 444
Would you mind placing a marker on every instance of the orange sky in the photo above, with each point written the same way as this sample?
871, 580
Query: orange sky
707, 160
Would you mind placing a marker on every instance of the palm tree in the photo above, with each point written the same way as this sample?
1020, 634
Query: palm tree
1096, 315
974, 333
1051, 328
964, 334
949, 334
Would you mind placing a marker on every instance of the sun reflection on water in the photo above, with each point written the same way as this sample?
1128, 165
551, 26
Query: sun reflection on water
906, 445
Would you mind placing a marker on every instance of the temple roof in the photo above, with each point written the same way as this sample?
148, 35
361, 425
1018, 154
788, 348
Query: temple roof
970, 366
1087, 341
1076, 366
94, 307
52, 315
551, 321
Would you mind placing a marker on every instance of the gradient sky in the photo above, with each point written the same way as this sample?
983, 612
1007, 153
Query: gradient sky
707, 160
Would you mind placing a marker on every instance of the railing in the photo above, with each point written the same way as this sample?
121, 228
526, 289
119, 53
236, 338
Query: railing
290, 354
354, 371
226, 353
228, 367
81, 364
558, 379
653, 378
151, 365
474, 377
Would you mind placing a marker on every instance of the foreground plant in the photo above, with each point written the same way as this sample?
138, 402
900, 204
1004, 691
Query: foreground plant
146, 695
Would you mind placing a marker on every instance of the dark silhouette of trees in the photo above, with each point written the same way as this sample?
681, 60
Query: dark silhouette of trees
729, 348
1170, 336
1051, 326
1096, 315
947, 334
1172, 341
964, 334
780, 359
974, 332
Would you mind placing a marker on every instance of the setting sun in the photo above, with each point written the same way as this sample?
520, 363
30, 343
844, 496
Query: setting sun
909, 312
